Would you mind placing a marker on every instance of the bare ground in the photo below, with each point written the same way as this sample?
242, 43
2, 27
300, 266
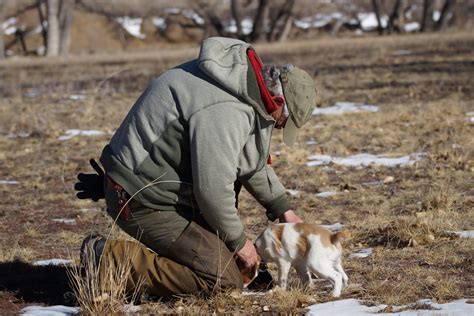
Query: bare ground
423, 85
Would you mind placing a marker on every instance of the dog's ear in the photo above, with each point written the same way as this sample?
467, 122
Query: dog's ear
336, 238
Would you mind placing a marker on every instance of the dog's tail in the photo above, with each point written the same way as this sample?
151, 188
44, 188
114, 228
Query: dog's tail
336, 238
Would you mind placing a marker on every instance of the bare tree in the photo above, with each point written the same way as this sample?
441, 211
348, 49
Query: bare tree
2, 17
376, 8
426, 18
396, 19
448, 4
66, 13
52, 46
281, 23
235, 9
260, 22
43, 19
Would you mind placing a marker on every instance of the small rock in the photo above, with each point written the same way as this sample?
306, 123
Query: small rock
265, 308
388, 179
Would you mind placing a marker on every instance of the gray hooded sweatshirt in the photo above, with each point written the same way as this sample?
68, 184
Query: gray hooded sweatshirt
196, 130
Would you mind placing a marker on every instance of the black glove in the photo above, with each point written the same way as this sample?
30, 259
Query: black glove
91, 185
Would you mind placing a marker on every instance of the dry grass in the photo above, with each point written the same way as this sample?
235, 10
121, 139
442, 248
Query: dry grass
423, 99
103, 291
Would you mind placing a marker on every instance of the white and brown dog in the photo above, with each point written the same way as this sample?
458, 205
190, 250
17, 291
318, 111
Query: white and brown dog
309, 248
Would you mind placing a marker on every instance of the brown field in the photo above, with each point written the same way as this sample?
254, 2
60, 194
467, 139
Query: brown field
424, 87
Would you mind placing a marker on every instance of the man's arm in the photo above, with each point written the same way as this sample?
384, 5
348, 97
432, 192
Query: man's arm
266, 188
289, 217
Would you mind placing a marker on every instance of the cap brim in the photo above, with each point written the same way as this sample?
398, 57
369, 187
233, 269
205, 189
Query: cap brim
290, 132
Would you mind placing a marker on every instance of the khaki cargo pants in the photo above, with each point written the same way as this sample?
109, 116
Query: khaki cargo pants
177, 255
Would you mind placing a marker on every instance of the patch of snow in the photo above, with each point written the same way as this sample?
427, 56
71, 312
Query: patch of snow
37, 30
52, 262
131, 25
32, 94
353, 307
64, 220
402, 52
312, 141
411, 27
471, 116
293, 192
345, 107
347, 307
9, 182
246, 292
130, 308
363, 160
77, 97
334, 227
436, 15
317, 21
368, 21
246, 25
191, 14
325, 194
373, 183
18, 135
464, 233
41, 51
9, 26
70, 133
56, 310
159, 22
87, 210
173, 10
362, 253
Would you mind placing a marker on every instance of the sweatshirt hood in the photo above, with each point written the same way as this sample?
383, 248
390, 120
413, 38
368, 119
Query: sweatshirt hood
225, 61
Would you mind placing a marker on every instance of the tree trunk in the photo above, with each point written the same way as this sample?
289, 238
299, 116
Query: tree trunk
44, 29
444, 12
376, 8
2, 17
66, 13
427, 18
260, 21
281, 24
286, 29
52, 48
401, 16
234, 6
394, 16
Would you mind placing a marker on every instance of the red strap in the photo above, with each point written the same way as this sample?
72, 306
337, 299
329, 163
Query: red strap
257, 66
270, 160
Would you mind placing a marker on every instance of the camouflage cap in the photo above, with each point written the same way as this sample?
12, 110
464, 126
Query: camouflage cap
300, 96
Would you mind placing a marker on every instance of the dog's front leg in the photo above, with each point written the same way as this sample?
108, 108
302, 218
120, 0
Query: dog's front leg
345, 278
283, 270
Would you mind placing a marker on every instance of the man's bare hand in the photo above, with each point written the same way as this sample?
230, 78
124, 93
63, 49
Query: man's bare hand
248, 254
289, 217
